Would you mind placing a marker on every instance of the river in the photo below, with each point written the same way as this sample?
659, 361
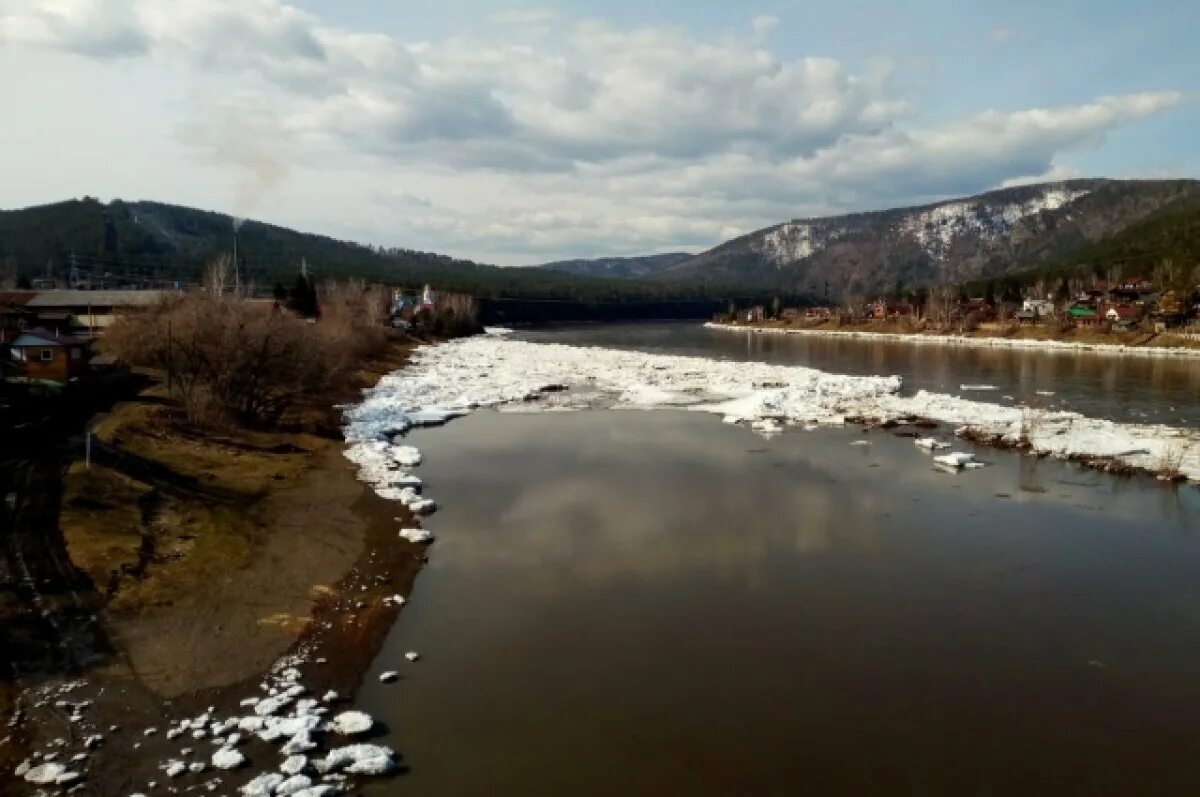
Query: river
1127, 388
626, 602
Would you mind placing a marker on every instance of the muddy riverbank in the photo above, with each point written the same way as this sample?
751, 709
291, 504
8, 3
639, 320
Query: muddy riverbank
194, 560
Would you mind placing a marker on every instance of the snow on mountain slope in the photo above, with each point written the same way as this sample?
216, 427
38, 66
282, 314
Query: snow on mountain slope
796, 241
937, 228
934, 228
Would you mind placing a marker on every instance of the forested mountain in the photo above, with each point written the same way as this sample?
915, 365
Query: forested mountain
1163, 248
988, 236
623, 267
154, 241
1005, 236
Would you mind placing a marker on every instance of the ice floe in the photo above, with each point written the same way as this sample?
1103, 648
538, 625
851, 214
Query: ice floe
955, 459
494, 371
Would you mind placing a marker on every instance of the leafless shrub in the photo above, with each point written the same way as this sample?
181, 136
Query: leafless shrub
233, 360
1170, 463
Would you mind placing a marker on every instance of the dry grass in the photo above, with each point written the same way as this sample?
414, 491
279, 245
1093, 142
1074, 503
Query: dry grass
1170, 463
195, 548
239, 460
142, 549
165, 544
101, 512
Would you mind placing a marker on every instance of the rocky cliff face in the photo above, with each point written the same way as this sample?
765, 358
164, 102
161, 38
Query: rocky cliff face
991, 234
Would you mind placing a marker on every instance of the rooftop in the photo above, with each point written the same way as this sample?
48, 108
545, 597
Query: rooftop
68, 298
40, 336
15, 298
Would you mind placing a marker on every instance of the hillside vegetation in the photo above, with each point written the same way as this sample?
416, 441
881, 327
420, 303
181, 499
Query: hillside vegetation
144, 241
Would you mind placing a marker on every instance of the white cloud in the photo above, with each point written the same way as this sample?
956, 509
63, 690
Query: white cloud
521, 16
599, 139
1003, 35
763, 25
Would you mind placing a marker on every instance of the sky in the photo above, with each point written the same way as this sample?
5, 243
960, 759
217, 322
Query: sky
519, 134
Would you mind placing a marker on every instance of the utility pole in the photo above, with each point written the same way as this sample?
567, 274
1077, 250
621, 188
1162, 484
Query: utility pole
237, 270
170, 360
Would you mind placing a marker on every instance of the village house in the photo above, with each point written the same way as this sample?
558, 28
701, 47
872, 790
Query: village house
755, 313
982, 309
1040, 308
818, 313
1170, 310
882, 309
1084, 317
1122, 314
43, 354
91, 311
1132, 288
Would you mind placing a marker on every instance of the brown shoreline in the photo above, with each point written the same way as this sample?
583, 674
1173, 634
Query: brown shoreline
323, 554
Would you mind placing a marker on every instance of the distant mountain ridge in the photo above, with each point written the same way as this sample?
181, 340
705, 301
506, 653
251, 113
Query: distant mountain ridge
990, 235
622, 267
142, 242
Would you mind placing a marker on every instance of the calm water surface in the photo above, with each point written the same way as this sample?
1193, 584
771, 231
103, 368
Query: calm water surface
650, 603
1131, 389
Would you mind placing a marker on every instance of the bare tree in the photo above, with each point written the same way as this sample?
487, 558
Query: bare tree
855, 305
942, 305
217, 276
1166, 274
8, 272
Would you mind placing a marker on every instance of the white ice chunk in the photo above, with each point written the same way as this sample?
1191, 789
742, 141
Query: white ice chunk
262, 786
227, 758
418, 536
300, 743
352, 723
358, 759
45, 774
955, 459
294, 785
406, 456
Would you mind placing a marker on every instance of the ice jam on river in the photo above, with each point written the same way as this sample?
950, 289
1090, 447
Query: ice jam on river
493, 370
